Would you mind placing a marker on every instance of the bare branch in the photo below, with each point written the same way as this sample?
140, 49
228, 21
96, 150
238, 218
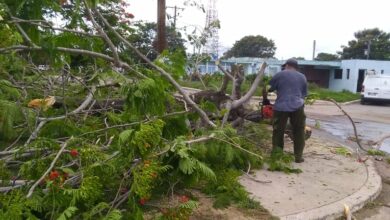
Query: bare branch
45, 24
353, 124
25, 36
226, 115
64, 49
168, 76
30, 192
83, 105
226, 72
43, 121
104, 35
252, 90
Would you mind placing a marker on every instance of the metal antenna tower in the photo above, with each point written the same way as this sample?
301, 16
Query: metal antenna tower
211, 46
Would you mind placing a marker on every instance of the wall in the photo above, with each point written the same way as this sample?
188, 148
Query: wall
351, 84
317, 76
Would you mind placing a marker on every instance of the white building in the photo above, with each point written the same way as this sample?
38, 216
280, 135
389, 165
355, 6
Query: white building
335, 75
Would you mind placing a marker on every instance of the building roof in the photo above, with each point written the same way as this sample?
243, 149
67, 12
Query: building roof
251, 60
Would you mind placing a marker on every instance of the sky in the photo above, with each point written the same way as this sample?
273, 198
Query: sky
293, 25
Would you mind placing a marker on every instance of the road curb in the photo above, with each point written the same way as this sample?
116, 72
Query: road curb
367, 193
351, 102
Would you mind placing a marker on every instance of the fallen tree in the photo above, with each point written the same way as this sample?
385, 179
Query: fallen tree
59, 158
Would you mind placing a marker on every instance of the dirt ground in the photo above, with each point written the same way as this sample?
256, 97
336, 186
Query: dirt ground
379, 209
207, 212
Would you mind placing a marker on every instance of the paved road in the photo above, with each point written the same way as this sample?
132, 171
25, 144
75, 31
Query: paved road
372, 121
373, 113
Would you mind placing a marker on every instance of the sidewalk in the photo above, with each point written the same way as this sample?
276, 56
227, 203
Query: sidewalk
328, 181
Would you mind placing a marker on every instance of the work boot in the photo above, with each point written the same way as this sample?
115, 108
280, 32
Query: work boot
299, 160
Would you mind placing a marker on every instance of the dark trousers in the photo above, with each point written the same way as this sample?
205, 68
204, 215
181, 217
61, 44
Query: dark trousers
297, 120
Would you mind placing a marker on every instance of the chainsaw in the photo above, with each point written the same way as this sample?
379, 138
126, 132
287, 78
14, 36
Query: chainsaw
266, 109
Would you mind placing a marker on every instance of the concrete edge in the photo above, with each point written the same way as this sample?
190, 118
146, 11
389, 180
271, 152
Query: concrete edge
351, 102
367, 193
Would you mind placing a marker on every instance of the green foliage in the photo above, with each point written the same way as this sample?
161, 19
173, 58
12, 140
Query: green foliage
252, 46
60, 128
143, 141
8, 91
378, 40
146, 97
172, 62
10, 113
68, 213
222, 151
187, 163
374, 152
106, 162
280, 161
5, 174
228, 190
175, 126
181, 211
316, 92
327, 57
343, 151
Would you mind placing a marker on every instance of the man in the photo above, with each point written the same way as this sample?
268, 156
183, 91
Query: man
291, 88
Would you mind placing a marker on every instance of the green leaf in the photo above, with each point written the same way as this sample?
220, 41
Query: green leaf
68, 213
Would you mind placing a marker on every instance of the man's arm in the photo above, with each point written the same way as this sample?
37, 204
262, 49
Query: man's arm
304, 89
273, 83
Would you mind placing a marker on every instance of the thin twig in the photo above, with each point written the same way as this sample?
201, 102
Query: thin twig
46, 24
30, 192
254, 179
103, 34
226, 115
353, 124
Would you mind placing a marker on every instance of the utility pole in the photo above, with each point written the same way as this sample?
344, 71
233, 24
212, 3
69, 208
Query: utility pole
176, 13
314, 49
368, 50
161, 27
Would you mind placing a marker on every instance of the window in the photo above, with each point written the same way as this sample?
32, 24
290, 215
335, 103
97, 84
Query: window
382, 71
348, 70
338, 73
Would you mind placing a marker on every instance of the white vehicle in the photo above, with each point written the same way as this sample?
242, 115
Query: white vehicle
376, 88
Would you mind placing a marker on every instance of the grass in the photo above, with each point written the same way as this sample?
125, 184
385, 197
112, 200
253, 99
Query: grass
374, 152
215, 82
325, 94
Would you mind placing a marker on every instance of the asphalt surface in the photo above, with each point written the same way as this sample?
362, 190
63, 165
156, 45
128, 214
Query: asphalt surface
372, 121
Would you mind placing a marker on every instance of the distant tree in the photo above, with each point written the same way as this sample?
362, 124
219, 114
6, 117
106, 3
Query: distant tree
327, 57
299, 58
252, 46
376, 40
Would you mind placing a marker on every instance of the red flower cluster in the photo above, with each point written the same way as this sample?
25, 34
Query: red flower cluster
183, 199
74, 153
142, 201
54, 175
268, 111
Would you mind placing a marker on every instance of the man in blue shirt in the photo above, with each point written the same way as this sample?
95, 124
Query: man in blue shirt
291, 88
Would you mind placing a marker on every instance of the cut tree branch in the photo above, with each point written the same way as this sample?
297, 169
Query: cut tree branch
67, 50
353, 124
252, 90
104, 35
168, 76
43, 121
45, 24
31, 191
226, 72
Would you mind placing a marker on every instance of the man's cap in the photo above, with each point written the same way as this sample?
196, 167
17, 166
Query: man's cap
291, 62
